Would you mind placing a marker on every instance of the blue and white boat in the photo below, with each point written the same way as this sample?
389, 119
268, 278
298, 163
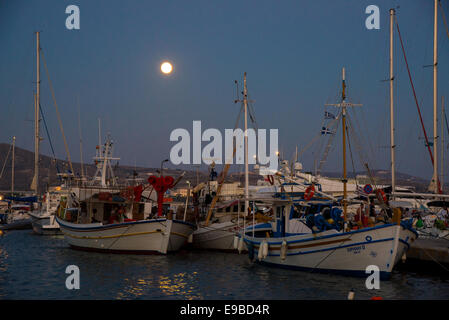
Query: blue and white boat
316, 241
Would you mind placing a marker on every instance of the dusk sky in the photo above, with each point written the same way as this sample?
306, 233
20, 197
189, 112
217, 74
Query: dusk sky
292, 51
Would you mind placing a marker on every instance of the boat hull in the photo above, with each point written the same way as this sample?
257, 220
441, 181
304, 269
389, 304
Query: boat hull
345, 253
45, 225
17, 225
216, 236
144, 236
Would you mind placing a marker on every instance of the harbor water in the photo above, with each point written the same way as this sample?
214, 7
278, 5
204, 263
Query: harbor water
33, 267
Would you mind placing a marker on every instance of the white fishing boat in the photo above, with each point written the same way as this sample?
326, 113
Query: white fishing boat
44, 220
227, 218
323, 241
107, 217
227, 221
110, 220
294, 245
142, 237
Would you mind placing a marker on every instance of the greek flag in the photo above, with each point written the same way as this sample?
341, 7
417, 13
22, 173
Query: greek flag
328, 115
325, 130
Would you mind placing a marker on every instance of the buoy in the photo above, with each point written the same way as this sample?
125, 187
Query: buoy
264, 249
283, 250
190, 238
351, 294
376, 298
240, 246
1, 233
260, 252
236, 241
404, 257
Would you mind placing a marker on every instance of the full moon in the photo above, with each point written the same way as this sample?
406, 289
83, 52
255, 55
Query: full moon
166, 67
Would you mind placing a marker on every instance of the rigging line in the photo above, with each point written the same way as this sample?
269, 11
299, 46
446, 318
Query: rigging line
311, 142
320, 145
328, 146
57, 113
362, 135
416, 101
445, 118
444, 18
342, 243
363, 157
49, 139
309, 145
6, 159
352, 158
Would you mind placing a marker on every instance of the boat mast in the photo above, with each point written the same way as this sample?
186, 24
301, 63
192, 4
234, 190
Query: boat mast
13, 160
81, 141
343, 105
393, 173
435, 98
36, 119
343, 119
245, 103
442, 144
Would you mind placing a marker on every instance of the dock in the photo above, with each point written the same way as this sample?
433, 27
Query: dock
430, 250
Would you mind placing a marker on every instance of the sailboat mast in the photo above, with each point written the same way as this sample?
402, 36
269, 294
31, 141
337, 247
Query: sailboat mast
245, 103
81, 141
393, 173
435, 97
442, 144
36, 118
13, 161
343, 119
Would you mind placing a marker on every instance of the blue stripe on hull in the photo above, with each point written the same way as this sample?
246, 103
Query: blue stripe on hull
331, 248
384, 275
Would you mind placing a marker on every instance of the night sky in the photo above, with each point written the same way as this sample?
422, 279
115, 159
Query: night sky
292, 51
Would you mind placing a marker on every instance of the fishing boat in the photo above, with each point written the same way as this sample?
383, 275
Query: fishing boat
114, 220
318, 244
105, 216
227, 215
44, 220
325, 241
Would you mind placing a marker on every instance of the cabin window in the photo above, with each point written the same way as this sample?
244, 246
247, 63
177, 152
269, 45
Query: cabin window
296, 212
236, 208
228, 209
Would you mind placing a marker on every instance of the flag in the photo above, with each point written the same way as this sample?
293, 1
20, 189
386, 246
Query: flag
328, 115
325, 130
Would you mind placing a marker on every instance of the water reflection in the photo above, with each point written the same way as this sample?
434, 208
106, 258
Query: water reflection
179, 286
33, 267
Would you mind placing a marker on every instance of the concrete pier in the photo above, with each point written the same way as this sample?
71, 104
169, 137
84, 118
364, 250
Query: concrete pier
431, 250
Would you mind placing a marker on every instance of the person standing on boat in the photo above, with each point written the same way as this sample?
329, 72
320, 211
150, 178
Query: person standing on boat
121, 215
